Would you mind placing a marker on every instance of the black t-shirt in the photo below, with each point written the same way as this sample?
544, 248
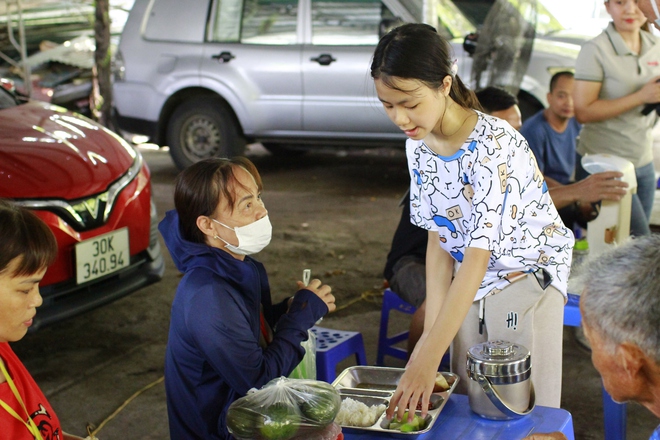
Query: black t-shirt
408, 239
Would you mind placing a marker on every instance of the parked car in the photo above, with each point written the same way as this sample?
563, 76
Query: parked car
93, 190
204, 77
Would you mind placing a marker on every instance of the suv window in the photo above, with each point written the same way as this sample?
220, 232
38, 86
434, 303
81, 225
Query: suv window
227, 21
255, 22
347, 22
162, 14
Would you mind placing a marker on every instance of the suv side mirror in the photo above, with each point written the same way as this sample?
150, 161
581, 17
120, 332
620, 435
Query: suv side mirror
470, 43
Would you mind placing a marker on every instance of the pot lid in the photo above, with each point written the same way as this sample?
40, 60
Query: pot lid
498, 359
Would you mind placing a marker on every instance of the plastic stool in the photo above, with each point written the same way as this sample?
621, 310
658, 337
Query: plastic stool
386, 346
613, 413
332, 347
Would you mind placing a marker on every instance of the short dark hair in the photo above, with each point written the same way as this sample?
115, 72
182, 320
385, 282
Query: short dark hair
24, 235
495, 99
556, 76
198, 188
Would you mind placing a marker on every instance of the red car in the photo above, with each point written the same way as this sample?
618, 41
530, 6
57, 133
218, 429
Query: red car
93, 190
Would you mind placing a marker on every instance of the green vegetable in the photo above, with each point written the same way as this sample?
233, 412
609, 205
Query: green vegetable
242, 422
404, 425
280, 422
323, 406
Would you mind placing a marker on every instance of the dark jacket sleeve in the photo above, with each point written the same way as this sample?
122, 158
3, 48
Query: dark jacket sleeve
225, 334
278, 310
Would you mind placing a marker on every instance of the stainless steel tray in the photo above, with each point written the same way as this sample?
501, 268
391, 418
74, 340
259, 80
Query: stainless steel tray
373, 385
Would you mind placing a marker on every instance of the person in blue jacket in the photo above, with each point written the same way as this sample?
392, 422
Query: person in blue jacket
225, 335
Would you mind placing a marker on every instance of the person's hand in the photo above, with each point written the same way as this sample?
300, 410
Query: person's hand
650, 92
321, 290
601, 186
415, 386
549, 436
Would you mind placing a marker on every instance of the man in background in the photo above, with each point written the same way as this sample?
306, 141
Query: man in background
552, 134
502, 104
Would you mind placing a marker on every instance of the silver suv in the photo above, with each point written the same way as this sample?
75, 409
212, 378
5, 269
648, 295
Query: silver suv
205, 76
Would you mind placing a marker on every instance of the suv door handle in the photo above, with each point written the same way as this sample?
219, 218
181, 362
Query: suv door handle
324, 59
224, 56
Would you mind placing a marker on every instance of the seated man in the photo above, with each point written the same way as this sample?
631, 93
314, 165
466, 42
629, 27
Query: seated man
502, 104
620, 308
552, 134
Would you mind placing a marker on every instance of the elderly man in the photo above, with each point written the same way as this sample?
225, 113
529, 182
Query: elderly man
651, 10
620, 307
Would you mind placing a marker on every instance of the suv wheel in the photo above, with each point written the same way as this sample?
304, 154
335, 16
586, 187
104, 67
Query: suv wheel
201, 128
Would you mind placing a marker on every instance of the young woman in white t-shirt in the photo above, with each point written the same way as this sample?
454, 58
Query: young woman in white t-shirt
498, 254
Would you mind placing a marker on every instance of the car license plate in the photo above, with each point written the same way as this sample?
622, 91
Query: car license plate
102, 255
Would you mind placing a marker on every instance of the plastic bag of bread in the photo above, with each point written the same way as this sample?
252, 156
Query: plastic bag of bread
285, 409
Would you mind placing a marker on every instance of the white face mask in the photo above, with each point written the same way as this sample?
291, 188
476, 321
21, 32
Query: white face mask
252, 238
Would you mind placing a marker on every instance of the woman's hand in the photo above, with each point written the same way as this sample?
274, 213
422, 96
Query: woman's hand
321, 290
650, 93
415, 386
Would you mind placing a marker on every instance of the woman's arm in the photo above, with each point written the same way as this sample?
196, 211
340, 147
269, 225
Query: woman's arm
416, 384
589, 108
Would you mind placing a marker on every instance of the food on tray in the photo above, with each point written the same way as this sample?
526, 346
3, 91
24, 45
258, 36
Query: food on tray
433, 403
403, 425
440, 383
356, 413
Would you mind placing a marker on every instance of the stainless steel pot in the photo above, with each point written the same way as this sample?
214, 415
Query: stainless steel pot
500, 386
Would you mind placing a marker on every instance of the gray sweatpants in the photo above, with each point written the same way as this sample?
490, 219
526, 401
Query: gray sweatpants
525, 314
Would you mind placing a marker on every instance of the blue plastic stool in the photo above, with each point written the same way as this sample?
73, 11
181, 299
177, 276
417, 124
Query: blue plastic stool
613, 413
387, 345
332, 347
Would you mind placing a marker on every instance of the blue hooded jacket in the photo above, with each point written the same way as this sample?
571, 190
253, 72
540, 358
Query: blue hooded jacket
213, 353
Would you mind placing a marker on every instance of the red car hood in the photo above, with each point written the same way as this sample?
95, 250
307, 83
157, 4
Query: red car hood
46, 152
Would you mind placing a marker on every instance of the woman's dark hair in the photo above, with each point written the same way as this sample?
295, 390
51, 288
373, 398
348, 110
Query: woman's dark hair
416, 51
24, 235
198, 189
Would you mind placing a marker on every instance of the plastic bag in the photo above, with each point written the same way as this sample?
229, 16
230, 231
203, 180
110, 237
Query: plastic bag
306, 369
285, 409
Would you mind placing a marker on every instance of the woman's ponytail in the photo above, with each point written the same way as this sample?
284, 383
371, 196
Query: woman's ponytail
462, 95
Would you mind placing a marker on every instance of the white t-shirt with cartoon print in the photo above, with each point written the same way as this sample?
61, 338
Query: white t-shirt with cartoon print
491, 195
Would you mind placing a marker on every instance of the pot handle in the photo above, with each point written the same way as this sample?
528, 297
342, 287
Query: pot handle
496, 400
